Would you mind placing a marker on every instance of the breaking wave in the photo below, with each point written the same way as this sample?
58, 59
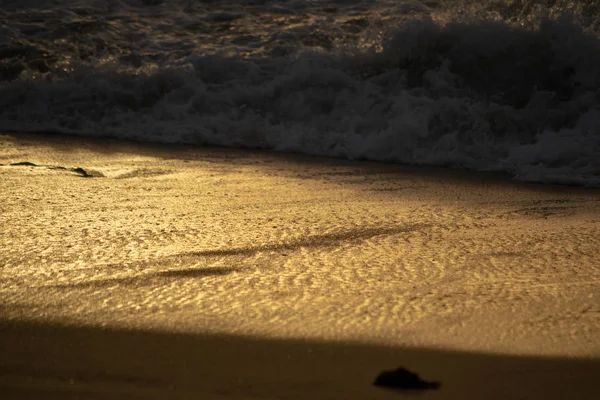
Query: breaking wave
398, 81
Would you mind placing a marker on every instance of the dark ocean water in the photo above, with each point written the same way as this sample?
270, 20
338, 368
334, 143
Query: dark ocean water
501, 85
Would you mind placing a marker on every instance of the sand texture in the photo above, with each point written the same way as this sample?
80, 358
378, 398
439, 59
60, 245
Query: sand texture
131, 270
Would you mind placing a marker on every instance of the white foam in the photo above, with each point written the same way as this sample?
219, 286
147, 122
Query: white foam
479, 94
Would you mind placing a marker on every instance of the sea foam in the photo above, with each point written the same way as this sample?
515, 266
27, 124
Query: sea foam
403, 82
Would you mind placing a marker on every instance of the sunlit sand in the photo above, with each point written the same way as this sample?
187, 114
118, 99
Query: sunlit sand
192, 272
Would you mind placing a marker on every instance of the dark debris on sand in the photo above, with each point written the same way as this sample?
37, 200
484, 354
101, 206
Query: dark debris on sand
86, 173
404, 379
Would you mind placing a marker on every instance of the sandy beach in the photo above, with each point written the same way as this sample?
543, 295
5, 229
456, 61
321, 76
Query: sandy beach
135, 270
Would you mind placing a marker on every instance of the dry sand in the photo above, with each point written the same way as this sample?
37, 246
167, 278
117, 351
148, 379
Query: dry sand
151, 271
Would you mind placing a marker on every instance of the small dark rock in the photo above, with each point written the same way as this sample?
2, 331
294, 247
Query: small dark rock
402, 378
80, 171
88, 173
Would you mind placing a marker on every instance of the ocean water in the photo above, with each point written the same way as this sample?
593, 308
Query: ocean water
494, 85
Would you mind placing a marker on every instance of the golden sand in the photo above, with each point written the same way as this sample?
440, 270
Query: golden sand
162, 271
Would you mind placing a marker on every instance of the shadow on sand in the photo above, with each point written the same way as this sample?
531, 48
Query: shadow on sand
55, 361
148, 278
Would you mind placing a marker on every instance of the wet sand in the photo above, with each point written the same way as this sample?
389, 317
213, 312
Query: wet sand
155, 271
